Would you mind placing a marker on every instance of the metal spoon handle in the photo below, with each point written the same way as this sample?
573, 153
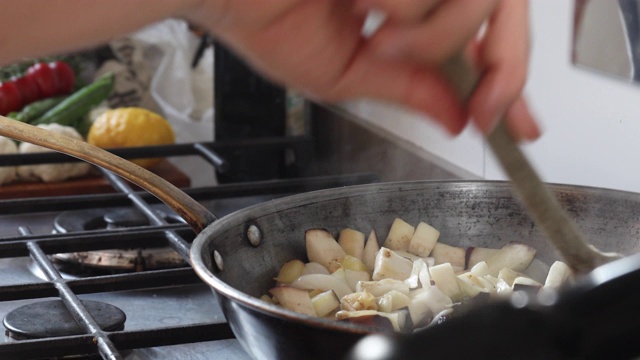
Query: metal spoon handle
539, 200
196, 215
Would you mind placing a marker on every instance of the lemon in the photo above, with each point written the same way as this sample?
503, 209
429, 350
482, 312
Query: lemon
131, 127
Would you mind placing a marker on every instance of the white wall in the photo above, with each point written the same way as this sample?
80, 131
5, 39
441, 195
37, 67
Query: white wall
591, 123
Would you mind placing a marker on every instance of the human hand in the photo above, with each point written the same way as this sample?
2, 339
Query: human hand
317, 47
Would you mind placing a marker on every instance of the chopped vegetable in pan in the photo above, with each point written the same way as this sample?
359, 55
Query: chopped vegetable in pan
409, 282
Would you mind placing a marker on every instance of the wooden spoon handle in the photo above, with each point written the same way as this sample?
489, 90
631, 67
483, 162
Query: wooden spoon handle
539, 200
196, 215
544, 206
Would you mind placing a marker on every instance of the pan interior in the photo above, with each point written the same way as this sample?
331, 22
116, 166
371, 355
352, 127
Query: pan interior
481, 214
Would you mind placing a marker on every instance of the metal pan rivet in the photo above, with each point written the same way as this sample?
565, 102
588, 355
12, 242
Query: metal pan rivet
217, 258
254, 235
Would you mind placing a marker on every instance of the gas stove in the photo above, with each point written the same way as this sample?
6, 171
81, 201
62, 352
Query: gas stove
108, 275
168, 312
123, 275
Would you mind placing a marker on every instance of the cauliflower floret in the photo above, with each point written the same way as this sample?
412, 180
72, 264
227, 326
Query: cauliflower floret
7, 173
52, 172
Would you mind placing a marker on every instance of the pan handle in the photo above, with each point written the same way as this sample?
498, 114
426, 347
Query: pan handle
196, 215
539, 200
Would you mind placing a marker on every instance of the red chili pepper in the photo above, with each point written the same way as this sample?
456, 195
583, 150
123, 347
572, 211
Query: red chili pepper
9, 98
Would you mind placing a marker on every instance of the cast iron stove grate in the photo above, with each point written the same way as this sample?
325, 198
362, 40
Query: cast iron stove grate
93, 340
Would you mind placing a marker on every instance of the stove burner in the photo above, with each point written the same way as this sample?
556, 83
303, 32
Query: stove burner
99, 219
112, 261
51, 318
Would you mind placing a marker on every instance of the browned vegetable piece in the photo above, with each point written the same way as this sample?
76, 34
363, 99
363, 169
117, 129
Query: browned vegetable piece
371, 249
393, 300
323, 249
423, 240
325, 302
352, 241
390, 265
290, 271
444, 253
294, 299
358, 301
381, 287
515, 256
478, 254
399, 236
353, 263
445, 279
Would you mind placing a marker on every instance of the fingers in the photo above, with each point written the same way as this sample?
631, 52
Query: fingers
417, 87
402, 11
504, 60
521, 123
429, 33
444, 32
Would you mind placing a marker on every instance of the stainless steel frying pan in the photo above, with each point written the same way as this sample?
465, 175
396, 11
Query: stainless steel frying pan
240, 267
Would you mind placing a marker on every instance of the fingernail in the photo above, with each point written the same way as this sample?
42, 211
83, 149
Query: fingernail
375, 19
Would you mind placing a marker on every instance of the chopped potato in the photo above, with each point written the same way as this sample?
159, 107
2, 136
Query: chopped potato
412, 280
399, 236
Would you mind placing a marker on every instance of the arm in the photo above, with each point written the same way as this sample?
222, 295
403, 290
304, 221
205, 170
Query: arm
34, 28
316, 46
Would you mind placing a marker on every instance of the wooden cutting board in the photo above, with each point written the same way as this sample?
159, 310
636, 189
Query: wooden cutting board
93, 183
